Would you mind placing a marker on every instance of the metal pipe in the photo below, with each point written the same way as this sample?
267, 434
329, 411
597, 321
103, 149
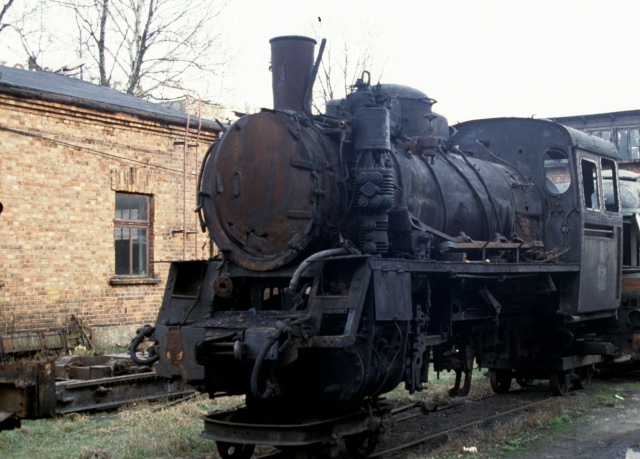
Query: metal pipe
291, 68
184, 180
312, 78
293, 285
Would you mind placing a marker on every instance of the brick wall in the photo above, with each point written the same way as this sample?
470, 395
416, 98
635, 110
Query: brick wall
60, 169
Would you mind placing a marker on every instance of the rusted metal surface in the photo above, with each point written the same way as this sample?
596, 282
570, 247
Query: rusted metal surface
41, 341
240, 427
94, 367
34, 390
175, 351
631, 282
291, 69
27, 390
269, 190
111, 392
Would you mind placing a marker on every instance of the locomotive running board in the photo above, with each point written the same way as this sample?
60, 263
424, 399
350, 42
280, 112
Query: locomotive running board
567, 363
546, 365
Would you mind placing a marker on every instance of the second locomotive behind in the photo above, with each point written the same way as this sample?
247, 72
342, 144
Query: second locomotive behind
361, 246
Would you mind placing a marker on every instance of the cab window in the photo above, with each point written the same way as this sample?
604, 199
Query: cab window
610, 184
557, 177
591, 194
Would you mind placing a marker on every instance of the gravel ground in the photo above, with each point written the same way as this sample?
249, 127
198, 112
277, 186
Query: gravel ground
600, 422
604, 432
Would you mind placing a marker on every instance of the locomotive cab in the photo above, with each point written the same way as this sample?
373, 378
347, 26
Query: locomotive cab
580, 224
559, 334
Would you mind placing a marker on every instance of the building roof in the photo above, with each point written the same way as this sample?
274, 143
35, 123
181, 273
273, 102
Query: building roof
600, 119
54, 87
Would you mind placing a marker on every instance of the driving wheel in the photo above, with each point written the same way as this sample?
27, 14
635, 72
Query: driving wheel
500, 381
361, 445
558, 382
235, 450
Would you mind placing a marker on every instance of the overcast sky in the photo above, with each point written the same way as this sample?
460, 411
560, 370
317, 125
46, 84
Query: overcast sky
478, 58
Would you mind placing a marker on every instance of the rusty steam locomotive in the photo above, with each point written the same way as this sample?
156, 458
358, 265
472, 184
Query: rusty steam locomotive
364, 245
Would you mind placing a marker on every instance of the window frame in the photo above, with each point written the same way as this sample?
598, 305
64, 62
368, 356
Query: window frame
130, 225
606, 165
553, 160
594, 180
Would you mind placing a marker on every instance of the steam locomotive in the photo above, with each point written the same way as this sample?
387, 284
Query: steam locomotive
361, 246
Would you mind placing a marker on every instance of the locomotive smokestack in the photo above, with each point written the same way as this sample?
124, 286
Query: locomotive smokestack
292, 72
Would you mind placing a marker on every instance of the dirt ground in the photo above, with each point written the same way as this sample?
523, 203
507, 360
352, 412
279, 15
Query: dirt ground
611, 430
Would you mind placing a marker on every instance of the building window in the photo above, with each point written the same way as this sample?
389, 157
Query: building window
634, 144
623, 143
131, 235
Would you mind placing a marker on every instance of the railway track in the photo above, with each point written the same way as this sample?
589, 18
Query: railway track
413, 428
417, 430
417, 426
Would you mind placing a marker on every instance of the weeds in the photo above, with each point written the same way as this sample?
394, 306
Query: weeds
559, 420
137, 432
512, 446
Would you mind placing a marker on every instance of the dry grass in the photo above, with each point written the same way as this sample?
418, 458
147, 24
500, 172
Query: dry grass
139, 431
502, 438
437, 389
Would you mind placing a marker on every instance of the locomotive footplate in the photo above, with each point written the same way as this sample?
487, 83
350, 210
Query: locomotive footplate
546, 365
564, 373
567, 363
240, 430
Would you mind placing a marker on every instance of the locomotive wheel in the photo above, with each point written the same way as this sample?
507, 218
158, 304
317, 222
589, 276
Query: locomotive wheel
584, 378
558, 383
361, 445
234, 450
500, 381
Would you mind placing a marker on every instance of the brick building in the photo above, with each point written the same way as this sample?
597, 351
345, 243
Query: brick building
620, 128
98, 191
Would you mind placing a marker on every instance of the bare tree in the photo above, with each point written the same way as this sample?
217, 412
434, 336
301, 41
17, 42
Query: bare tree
143, 46
342, 65
5, 8
24, 33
